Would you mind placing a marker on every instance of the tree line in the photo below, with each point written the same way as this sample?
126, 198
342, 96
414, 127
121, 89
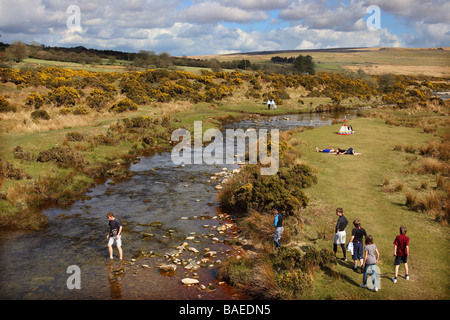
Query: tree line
18, 51
303, 64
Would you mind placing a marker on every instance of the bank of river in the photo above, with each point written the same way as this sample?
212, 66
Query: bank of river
171, 216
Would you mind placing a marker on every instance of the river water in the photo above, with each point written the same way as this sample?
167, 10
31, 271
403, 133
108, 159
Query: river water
162, 206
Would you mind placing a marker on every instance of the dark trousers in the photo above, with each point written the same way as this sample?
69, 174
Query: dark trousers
335, 248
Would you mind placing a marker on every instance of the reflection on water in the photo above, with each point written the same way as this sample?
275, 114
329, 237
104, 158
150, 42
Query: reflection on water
161, 206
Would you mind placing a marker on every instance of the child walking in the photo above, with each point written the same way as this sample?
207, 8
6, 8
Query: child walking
371, 256
357, 239
401, 253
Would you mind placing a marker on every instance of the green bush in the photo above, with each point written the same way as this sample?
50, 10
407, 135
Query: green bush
74, 136
281, 191
40, 114
63, 156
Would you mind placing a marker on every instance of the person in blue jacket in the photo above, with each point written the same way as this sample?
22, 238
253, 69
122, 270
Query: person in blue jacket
278, 223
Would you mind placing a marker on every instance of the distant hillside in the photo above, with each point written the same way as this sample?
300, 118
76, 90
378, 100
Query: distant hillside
408, 61
426, 61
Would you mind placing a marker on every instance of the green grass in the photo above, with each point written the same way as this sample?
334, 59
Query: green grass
354, 183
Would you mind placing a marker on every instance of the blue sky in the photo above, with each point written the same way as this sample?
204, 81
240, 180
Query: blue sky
202, 27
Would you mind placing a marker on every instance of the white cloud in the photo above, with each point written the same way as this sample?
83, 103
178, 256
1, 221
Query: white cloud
430, 12
213, 12
318, 15
203, 26
258, 4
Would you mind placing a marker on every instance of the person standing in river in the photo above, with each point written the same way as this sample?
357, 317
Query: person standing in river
340, 235
114, 234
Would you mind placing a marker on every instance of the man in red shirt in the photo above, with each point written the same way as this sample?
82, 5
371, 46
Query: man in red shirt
401, 253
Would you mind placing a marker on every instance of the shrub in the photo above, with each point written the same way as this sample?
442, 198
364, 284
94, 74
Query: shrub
20, 154
296, 281
35, 100
74, 136
8, 171
40, 114
80, 111
124, 105
5, 106
63, 96
263, 193
138, 122
98, 99
65, 111
105, 139
62, 155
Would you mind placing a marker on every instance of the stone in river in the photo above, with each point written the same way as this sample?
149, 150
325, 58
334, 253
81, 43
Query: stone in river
189, 281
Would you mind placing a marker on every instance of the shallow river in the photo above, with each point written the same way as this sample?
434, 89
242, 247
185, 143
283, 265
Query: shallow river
161, 206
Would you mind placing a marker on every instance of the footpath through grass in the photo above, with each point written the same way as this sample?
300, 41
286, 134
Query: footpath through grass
355, 184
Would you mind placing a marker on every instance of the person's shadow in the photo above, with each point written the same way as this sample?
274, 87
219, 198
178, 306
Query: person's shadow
339, 275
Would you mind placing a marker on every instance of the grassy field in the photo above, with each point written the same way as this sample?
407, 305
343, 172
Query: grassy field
355, 183
427, 61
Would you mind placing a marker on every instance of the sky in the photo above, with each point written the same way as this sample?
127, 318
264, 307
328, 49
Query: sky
206, 27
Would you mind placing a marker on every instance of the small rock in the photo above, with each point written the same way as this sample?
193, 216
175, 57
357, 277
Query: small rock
210, 254
168, 268
192, 249
190, 281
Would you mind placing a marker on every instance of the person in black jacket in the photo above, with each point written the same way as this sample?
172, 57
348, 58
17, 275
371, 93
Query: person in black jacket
358, 244
340, 235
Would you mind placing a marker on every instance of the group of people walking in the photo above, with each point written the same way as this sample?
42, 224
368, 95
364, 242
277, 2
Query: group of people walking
366, 252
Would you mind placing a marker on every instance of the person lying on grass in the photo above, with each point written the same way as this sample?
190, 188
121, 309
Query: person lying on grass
326, 150
348, 151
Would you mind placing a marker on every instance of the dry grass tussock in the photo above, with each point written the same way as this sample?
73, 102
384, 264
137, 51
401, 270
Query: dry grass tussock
175, 107
21, 121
